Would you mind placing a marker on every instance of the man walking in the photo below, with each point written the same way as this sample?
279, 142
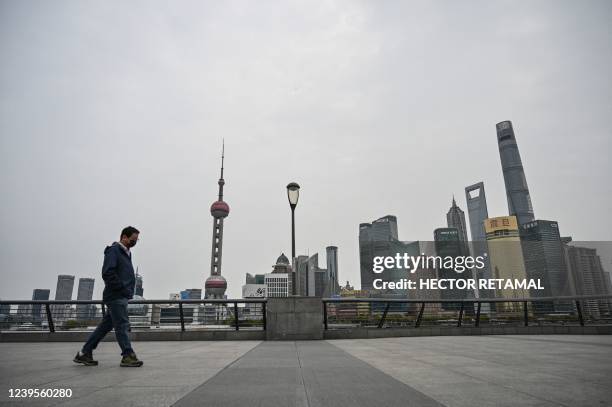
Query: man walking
119, 282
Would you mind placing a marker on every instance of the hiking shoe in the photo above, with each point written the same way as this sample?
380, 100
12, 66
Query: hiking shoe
130, 361
85, 359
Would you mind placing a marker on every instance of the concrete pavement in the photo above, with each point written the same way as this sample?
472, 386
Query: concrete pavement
505, 370
171, 370
539, 370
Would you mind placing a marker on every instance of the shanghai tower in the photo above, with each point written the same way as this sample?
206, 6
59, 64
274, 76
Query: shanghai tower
517, 192
215, 285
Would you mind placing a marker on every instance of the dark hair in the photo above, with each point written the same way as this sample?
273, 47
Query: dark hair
129, 231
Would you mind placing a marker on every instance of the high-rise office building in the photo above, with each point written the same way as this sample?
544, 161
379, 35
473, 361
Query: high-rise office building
423, 272
545, 260
392, 248
63, 292
448, 244
332, 270
283, 265
589, 278
39, 294
300, 268
254, 279
477, 210
384, 228
85, 293
517, 191
318, 278
138, 289
506, 259
310, 279
476, 200
65, 285
321, 283
278, 285
455, 218
85, 289
378, 238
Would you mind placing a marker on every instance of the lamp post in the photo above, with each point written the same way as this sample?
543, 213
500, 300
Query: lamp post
293, 194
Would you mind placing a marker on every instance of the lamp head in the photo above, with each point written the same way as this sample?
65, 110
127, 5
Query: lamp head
293, 194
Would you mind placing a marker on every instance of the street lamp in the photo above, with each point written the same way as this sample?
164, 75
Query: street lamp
293, 194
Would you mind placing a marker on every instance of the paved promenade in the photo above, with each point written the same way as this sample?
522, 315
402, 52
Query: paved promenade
462, 371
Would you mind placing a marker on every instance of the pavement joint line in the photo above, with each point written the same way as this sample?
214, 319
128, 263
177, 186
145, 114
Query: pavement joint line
219, 372
478, 379
297, 354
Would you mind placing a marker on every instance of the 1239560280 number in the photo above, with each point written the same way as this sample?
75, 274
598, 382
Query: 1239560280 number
40, 393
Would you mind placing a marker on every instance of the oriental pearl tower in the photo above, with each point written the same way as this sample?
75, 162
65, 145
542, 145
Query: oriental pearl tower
215, 285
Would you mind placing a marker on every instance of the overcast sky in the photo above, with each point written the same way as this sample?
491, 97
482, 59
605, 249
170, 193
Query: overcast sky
113, 114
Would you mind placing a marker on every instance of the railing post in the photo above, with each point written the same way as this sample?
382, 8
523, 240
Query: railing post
182, 316
103, 310
325, 314
236, 314
525, 313
384, 316
49, 318
579, 309
477, 322
460, 314
265, 321
420, 316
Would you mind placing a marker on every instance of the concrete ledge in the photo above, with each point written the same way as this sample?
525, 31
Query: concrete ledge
294, 318
135, 336
365, 333
349, 333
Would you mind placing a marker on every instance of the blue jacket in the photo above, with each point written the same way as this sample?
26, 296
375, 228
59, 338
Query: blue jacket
118, 274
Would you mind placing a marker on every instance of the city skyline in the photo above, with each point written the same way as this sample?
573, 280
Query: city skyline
455, 219
373, 111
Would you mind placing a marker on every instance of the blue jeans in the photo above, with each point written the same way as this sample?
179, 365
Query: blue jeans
116, 317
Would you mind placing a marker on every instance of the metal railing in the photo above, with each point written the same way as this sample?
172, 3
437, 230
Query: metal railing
183, 315
339, 313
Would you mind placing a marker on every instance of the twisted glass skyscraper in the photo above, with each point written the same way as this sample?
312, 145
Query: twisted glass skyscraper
517, 192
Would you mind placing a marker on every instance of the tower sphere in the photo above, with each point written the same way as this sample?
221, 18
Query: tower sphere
215, 286
219, 209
